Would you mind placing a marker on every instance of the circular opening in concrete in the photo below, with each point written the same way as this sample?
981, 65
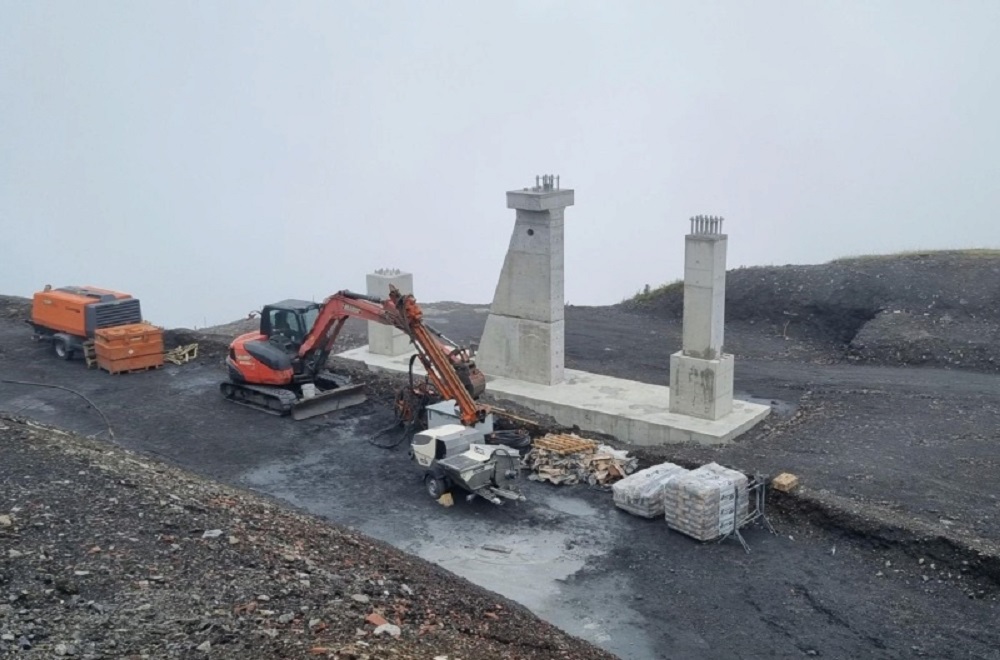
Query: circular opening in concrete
531, 232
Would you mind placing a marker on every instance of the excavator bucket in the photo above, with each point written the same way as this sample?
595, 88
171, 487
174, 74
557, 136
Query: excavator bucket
328, 401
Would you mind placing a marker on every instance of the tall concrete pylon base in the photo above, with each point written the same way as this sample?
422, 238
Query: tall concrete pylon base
384, 339
525, 334
701, 375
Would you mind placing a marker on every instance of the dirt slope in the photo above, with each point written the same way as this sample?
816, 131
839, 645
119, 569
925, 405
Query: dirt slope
106, 554
933, 308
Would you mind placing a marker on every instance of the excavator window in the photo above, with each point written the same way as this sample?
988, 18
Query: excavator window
308, 319
281, 322
287, 324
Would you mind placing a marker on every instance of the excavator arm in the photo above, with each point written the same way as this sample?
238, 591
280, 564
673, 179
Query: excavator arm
321, 338
436, 362
402, 312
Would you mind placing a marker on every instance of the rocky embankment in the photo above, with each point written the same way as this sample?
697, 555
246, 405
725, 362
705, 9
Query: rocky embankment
106, 554
931, 308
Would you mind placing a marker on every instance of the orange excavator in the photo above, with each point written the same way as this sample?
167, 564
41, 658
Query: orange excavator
281, 369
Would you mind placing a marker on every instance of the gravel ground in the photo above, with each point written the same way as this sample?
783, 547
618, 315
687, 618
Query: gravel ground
107, 554
881, 374
835, 581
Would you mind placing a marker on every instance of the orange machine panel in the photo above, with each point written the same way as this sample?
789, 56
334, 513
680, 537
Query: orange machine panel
60, 311
64, 309
128, 341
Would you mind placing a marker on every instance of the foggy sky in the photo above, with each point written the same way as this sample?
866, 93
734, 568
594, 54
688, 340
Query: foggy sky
210, 157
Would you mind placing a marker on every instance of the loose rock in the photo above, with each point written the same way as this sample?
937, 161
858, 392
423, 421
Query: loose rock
388, 628
785, 482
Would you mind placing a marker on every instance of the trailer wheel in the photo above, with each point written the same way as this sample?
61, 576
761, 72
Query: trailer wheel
436, 486
62, 348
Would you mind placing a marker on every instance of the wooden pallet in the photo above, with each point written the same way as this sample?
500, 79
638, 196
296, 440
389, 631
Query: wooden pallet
563, 443
130, 371
90, 354
181, 354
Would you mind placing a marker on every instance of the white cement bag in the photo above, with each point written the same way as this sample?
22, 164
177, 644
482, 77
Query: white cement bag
740, 483
703, 503
641, 493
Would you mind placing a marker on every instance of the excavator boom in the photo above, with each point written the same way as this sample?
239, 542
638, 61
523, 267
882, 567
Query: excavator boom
437, 365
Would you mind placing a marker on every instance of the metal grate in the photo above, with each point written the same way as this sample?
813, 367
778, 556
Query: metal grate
119, 312
756, 511
460, 462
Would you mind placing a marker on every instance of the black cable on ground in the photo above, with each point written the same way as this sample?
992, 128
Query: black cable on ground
397, 420
392, 445
107, 422
514, 438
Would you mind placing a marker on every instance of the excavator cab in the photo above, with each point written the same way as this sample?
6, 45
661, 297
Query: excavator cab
288, 322
267, 373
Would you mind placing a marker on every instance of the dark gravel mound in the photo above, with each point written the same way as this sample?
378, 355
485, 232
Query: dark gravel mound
106, 554
15, 307
209, 345
933, 308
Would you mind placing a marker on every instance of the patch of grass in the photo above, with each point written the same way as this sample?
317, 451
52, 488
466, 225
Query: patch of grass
972, 253
649, 293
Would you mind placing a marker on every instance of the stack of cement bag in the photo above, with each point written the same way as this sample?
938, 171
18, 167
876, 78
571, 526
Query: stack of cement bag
702, 503
642, 493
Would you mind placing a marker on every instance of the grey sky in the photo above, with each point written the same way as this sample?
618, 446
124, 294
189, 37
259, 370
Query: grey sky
210, 157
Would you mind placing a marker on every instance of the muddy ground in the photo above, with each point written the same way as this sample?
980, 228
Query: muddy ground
887, 550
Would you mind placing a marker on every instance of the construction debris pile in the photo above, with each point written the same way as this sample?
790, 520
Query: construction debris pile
566, 458
181, 354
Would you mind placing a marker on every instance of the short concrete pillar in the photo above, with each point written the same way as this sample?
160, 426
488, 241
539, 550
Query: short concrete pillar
525, 332
384, 339
701, 374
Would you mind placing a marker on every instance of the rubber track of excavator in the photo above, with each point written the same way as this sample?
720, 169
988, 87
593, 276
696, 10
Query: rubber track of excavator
279, 401
272, 400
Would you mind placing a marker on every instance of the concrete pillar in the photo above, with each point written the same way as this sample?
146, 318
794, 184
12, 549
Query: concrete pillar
701, 374
385, 339
525, 332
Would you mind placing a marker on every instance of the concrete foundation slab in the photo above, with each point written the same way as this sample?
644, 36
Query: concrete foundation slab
637, 413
